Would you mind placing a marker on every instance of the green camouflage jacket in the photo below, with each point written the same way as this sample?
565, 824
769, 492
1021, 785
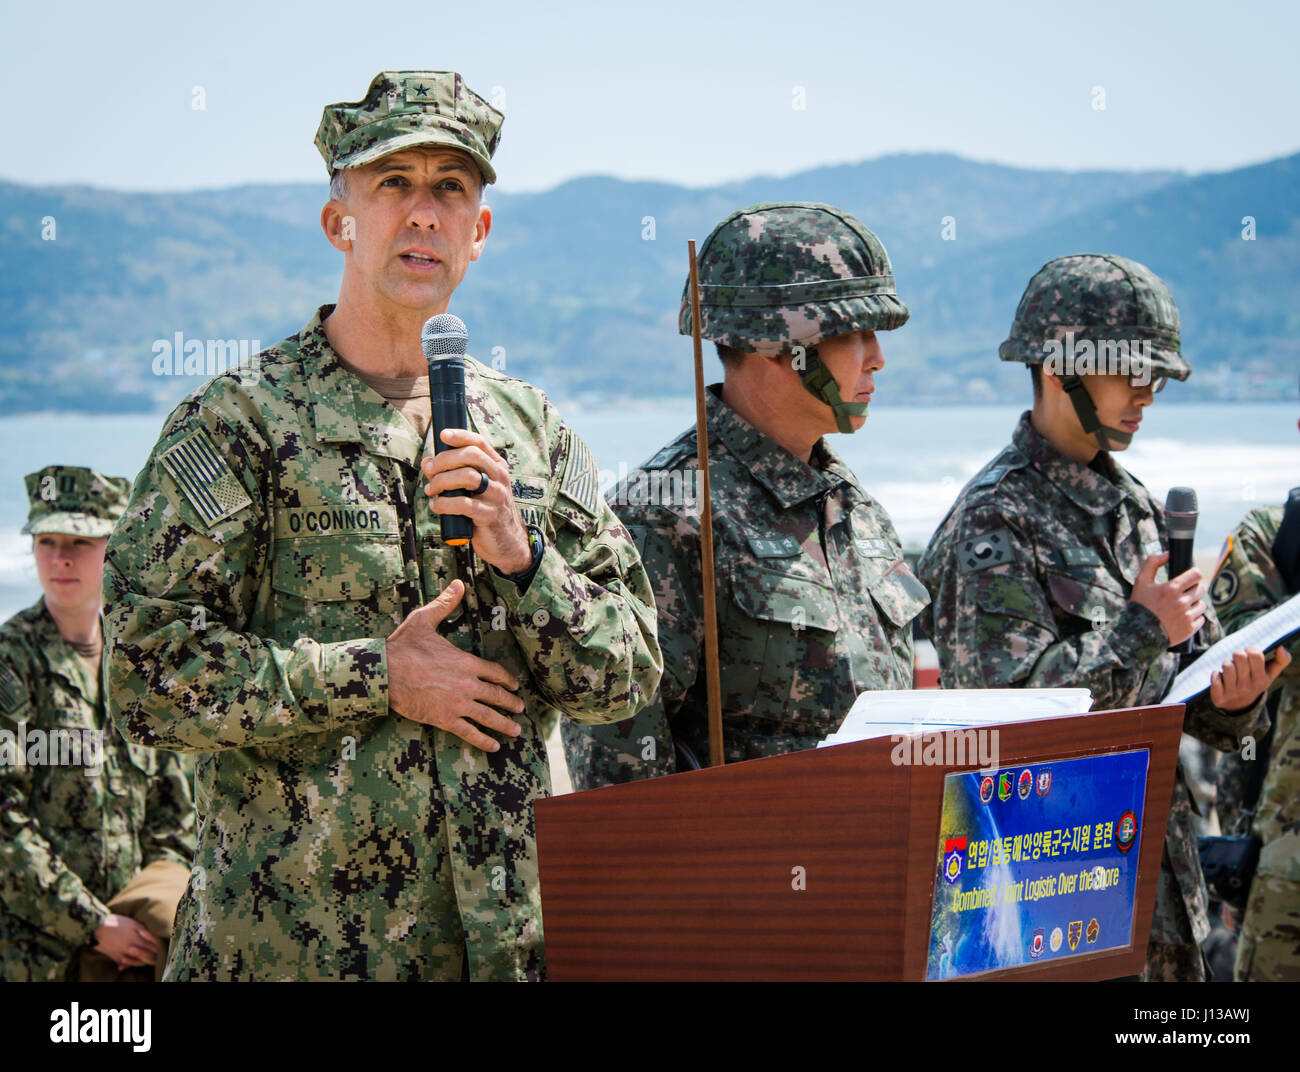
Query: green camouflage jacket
81, 810
278, 534
1248, 584
1030, 573
814, 601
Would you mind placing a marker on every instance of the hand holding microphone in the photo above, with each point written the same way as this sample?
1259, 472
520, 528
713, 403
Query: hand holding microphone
1179, 602
470, 485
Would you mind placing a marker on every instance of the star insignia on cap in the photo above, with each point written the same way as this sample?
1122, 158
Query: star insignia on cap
421, 91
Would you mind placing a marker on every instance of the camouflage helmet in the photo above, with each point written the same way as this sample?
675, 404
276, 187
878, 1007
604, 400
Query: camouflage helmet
783, 274
1105, 300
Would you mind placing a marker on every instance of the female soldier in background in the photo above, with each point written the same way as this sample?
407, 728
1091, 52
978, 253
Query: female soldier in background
81, 810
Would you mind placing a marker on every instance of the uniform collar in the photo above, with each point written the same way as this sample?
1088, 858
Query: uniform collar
1083, 486
61, 657
788, 479
346, 409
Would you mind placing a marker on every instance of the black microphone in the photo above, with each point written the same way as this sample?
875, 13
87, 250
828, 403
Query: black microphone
1180, 520
444, 340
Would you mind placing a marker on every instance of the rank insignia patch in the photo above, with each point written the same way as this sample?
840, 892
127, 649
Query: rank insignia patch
981, 552
205, 478
581, 480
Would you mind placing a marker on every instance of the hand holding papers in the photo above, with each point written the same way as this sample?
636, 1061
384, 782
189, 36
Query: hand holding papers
1263, 633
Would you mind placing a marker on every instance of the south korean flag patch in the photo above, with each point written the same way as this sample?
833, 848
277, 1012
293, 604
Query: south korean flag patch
987, 549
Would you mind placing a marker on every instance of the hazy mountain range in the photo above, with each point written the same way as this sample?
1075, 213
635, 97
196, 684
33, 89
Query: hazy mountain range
583, 303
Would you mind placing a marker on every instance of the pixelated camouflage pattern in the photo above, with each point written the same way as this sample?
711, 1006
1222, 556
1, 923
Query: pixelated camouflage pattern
70, 841
1247, 584
1268, 948
1174, 962
814, 602
74, 501
403, 109
1100, 298
1054, 611
338, 840
780, 274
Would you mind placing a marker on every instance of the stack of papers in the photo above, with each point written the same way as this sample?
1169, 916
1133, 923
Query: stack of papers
1263, 633
889, 714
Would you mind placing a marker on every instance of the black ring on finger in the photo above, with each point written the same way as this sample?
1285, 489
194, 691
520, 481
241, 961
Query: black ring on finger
483, 484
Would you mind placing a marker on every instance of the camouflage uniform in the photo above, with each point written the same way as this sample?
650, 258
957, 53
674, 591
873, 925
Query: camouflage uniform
1031, 572
71, 839
1247, 584
278, 534
814, 601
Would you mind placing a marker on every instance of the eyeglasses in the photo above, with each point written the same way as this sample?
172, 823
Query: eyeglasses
1138, 380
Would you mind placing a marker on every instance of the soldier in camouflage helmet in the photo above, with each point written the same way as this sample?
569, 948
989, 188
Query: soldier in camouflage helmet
81, 810
814, 600
1259, 569
369, 703
1044, 572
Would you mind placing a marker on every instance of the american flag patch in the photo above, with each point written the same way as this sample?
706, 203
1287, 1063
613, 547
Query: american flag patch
581, 481
205, 478
12, 693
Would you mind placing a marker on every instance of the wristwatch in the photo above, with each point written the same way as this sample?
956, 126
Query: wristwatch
537, 544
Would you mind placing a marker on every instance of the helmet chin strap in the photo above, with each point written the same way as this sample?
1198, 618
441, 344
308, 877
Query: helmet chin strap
818, 382
1107, 438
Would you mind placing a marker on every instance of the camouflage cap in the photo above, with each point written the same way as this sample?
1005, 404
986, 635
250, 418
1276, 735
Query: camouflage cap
780, 274
403, 109
1100, 299
74, 501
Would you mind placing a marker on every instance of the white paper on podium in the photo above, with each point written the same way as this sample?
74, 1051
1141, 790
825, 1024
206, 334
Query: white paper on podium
1262, 633
906, 711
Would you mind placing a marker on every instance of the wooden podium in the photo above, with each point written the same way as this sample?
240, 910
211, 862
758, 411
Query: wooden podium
694, 876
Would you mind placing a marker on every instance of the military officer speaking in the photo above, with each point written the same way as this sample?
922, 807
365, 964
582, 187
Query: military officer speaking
367, 701
1044, 572
82, 812
815, 602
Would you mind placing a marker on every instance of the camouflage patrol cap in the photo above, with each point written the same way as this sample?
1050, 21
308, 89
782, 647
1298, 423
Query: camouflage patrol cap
403, 109
780, 274
71, 500
1100, 299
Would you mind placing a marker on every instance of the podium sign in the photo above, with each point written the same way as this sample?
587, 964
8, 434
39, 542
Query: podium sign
1036, 863
829, 863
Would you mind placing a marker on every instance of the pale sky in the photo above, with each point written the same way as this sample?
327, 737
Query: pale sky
693, 93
